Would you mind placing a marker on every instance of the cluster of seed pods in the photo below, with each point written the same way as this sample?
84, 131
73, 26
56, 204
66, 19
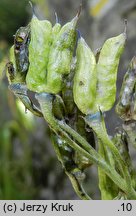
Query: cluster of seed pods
72, 86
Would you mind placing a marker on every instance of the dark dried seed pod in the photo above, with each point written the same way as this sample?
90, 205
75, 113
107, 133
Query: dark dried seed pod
21, 43
124, 106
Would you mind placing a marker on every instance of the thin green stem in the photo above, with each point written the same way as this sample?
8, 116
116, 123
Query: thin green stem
78, 187
94, 156
45, 101
96, 122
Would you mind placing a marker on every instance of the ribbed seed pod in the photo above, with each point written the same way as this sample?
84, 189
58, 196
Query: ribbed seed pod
61, 55
107, 67
41, 38
125, 106
84, 88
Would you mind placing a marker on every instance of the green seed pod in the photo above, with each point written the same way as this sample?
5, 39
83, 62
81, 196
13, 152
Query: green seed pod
125, 107
107, 67
41, 36
84, 88
61, 55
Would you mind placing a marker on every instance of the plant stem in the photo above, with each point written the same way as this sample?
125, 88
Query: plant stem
96, 122
78, 187
97, 159
45, 101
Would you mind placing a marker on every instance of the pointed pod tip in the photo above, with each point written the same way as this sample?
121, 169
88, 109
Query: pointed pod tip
32, 7
56, 17
125, 28
79, 10
75, 19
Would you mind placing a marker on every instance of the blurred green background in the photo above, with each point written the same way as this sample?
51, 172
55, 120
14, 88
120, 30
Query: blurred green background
29, 168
